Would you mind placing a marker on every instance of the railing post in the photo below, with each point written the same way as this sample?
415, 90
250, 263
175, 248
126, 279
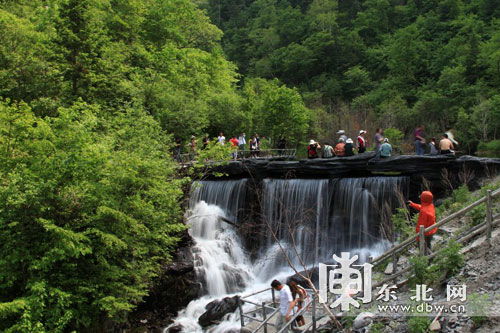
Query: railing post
313, 314
489, 215
242, 319
273, 296
421, 239
264, 316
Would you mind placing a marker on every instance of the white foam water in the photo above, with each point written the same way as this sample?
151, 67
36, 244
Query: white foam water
225, 268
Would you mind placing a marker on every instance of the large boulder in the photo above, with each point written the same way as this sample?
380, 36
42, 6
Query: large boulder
217, 309
176, 285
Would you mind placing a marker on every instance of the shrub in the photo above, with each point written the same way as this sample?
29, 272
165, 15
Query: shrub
402, 223
491, 149
477, 304
450, 260
424, 273
478, 214
418, 324
377, 328
461, 194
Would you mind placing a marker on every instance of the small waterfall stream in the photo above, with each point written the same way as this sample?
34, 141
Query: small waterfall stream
312, 218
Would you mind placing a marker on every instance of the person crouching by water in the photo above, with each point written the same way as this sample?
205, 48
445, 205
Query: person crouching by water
385, 149
313, 149
287, 303
327, 150
300, 294
426, 217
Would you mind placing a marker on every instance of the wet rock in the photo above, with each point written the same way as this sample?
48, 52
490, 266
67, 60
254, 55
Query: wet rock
389, 269
217, 309
176, 285
175, 329
362, 320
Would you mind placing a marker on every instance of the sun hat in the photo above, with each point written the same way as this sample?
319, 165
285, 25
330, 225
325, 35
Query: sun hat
386, 140
361, 132
341, 132
349, 141
312, 142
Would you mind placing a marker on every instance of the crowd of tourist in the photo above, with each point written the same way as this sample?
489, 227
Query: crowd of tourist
343, 145
447, 144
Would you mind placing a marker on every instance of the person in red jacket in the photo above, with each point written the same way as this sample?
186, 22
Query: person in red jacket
426, 217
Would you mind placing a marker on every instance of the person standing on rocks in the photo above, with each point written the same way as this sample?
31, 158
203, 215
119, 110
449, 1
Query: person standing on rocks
419, 140
445, 145
340, 148
361, 142
287, 303
242, 141
327, 150
426, 217
385, 149
313, 149
221, 139
348, 148
342, 135
378, 139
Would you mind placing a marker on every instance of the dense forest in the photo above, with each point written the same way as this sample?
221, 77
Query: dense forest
375, 63
94, 92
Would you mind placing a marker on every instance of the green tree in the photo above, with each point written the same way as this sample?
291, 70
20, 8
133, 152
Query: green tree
89, 211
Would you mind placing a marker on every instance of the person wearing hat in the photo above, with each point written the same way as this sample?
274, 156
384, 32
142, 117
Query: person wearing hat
342, 135
385, 149
362, 143
340, 148
312, 149
348, 148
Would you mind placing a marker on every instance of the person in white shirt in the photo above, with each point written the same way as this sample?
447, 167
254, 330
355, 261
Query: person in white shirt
221, 139
242, 141
287, 303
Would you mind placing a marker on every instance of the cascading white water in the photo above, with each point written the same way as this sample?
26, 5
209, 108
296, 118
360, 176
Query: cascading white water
311, 218
220, 259
324, 216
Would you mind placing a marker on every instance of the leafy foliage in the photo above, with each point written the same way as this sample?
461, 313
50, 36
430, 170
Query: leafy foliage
449, 260
423, 272
418, 324
89, 209
375, 63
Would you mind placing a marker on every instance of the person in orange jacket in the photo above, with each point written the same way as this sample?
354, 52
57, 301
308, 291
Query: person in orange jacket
426, 217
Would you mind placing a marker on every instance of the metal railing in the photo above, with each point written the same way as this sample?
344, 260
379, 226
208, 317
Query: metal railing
486, 226
244, 155
491, 220
262, 308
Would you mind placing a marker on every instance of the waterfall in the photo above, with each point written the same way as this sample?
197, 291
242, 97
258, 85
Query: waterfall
314, 218
311, 218
220, 260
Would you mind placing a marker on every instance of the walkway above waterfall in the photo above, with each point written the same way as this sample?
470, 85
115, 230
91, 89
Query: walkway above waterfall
435, 169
